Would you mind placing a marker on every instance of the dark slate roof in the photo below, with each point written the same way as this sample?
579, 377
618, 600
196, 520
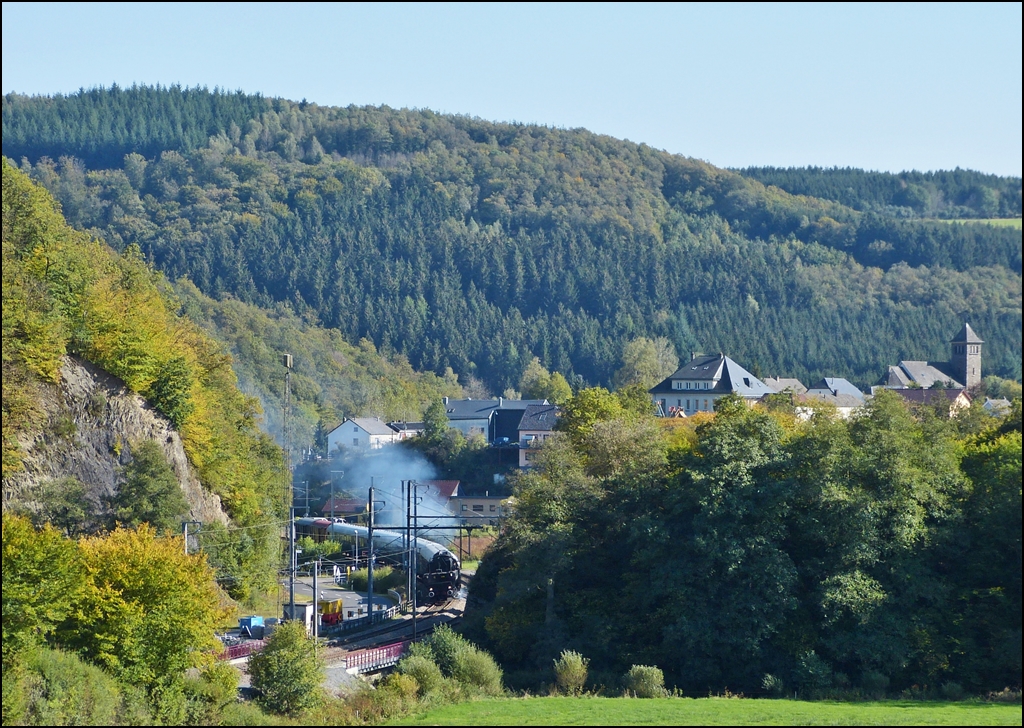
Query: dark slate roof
539, 417
894, 378
731, 378
373, 425
406, 426
470, 409
704, 366
481, 409
926, 373
966, 336
781, 384
837, 386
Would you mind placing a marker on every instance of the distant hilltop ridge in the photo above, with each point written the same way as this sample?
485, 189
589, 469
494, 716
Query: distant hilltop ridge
477, 246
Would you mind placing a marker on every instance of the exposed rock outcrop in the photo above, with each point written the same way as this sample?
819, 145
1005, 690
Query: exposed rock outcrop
92, 422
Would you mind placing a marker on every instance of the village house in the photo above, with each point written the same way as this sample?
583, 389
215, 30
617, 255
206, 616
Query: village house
698, 384
361, 433
958, 399
535, 427
492, 419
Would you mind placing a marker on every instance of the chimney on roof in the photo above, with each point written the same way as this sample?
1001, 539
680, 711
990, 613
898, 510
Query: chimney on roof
445, 401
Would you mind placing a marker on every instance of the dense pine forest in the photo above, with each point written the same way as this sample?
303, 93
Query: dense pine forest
959, 193
461, 243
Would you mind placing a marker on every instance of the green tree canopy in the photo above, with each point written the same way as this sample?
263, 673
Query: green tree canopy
150, 492
287, 672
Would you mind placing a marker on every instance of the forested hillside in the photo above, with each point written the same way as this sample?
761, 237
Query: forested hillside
332, 379
65, 293
474, 245
959, 193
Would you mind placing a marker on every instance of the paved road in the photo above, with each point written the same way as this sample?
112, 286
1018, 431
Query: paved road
330, 592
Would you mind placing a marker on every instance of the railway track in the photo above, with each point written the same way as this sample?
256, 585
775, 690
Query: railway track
399, 629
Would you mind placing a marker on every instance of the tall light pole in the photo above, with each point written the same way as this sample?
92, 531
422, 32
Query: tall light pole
369, 549
291, 563
286, 359
184, 531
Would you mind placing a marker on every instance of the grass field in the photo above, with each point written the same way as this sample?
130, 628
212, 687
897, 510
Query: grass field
712, 711
1013, 222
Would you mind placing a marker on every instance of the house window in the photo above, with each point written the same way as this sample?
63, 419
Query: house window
687, 404
687, 385
478, 508
705, 405
355, 428
355, 441
465, 507
493, 509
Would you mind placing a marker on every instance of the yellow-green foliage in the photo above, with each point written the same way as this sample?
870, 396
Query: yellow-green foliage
65, 292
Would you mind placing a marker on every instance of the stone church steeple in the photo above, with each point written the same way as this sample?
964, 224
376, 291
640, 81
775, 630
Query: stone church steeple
965, 356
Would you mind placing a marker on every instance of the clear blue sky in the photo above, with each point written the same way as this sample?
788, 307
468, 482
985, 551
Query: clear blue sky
929, 86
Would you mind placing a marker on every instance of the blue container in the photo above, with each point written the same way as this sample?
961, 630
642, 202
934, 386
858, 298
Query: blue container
251, 626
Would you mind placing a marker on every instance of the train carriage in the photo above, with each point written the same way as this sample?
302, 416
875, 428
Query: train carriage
438, 571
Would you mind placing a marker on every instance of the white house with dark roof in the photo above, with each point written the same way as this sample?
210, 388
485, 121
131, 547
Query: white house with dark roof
696, 385
361, 433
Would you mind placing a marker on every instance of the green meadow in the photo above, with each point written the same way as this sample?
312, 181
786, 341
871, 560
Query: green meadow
713, 711
1010, 222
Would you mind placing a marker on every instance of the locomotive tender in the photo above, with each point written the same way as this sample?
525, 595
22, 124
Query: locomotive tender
438, 571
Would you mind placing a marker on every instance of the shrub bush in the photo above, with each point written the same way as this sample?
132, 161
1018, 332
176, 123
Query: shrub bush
874, 683
571, 672
772, 685
59, 688
645, 681
445, 647
477, 668
427, 674
953, 691
812, 672
384, 578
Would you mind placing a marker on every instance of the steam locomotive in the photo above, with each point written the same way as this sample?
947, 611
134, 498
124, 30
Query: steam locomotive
438, 571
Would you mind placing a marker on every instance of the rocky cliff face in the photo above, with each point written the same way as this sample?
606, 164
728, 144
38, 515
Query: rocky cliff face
92, 422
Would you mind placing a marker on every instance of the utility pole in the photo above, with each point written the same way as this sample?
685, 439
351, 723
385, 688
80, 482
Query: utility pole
405, 545
316, 602
184, 531
291, 564
286, 359
414, 554
371, 503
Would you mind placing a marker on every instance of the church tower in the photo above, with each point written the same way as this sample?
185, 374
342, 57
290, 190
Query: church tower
965, 360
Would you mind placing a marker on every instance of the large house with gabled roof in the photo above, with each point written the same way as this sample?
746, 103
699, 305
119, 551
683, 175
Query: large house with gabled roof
696, 385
